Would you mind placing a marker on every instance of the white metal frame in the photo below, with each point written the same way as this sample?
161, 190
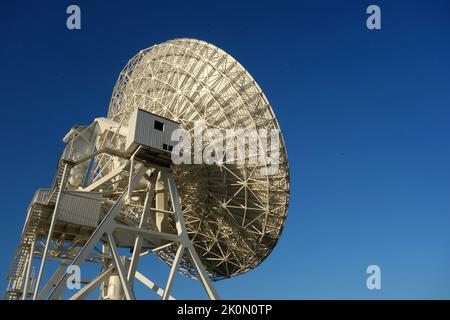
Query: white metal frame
234, 214
107, 227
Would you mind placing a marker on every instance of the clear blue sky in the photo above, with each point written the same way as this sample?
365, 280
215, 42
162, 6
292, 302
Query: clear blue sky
365, 115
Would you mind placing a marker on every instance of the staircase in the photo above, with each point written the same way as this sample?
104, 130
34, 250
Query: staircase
39, 212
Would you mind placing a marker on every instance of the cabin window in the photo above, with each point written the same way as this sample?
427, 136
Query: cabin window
164, 146
159, 125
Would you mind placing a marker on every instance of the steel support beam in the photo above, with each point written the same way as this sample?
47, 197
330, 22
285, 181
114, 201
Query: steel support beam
151, 285
120, 268
139, 238
59, 271
106, 226
173, 271
181, 226
50, 231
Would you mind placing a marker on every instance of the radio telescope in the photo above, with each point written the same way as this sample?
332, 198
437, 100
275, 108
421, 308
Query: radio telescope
116, 186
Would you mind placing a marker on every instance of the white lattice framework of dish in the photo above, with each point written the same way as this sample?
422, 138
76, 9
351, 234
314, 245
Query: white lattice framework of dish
234, 213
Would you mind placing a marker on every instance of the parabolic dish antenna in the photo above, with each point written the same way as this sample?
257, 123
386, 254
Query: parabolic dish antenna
118, 186
234, 213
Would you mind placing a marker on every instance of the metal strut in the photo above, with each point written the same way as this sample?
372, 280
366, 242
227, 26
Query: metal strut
127, 271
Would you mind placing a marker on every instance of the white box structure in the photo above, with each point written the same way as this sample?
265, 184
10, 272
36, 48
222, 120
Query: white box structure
80, 208
151, 131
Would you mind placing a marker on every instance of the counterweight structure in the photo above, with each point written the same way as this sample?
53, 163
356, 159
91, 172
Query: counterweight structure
116, 186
